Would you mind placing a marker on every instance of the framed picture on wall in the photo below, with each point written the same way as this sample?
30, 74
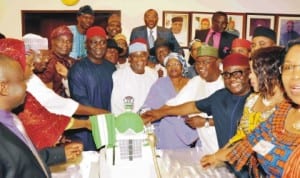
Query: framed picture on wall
255, 20
288, 28
236, 25
178, 22
200, 21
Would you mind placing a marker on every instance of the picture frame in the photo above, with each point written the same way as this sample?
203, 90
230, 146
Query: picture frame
255, 20
236, 24
200, 21
178, 22
287, 23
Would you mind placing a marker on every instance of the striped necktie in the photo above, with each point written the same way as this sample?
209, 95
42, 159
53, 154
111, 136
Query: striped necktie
151, 39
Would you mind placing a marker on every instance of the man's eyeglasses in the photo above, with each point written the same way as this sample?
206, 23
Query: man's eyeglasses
235, 74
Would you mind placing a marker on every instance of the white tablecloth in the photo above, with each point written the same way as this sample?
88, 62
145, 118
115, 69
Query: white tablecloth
186, 164
172, 163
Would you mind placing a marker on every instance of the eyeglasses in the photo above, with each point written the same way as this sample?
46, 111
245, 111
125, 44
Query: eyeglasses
235, 74
174, 64
289, 68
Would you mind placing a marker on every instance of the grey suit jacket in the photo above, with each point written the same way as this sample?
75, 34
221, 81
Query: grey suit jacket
141, 32
17, 160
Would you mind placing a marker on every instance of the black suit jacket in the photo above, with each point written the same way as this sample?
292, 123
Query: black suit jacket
17, 160
225, 41
164, 33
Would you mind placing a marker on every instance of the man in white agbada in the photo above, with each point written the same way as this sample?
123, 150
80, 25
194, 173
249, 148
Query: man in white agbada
207, 81
134, 80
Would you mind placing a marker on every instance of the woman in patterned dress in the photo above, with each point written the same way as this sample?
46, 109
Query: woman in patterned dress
265, 79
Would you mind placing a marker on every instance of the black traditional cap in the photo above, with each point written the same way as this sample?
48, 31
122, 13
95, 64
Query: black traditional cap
85, 10
266, 32
177, 19
2, 36
159, 42
111, 43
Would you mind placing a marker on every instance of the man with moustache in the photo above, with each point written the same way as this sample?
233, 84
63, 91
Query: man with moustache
225, 105
85, 19
150, 31
61, 46
90, 79
262, 37
216, 36
113, 26
133, 80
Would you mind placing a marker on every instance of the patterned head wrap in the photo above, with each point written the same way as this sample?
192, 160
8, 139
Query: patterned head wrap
180, 58
61, 30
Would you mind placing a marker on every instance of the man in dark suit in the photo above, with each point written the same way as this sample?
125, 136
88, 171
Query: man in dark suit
216, 36
18, 156
150, 31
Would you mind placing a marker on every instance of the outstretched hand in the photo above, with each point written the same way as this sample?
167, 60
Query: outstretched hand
151, 116
73, 150
209, 161
195, 121
61, 69
215, 159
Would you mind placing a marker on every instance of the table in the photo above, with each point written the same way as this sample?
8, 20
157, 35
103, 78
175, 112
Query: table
186, 164
172, 164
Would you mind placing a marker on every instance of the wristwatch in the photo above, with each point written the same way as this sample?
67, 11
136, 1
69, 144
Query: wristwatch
206, 122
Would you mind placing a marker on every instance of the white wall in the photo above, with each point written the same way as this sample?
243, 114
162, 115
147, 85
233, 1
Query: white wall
133, 10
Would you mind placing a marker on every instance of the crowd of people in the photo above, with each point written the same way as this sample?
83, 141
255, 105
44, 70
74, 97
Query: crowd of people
236, 99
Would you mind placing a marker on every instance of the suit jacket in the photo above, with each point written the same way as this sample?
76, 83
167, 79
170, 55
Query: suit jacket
17, 160
225, 41
141, 32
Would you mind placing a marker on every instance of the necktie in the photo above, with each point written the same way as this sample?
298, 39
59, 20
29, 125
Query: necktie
210, 41
151, 39
20, 127
290, 36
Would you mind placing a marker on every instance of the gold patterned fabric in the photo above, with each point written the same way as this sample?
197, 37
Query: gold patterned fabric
250, 119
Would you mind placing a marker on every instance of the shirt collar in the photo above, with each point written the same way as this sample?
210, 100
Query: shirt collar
153, 29
212, 31
6, 118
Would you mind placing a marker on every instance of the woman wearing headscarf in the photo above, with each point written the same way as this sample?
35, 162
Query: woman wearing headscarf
171, 131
